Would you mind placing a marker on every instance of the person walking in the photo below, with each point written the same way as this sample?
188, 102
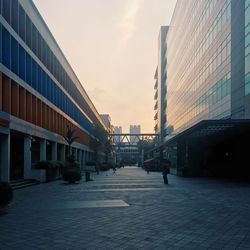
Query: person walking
114, 169
166, 170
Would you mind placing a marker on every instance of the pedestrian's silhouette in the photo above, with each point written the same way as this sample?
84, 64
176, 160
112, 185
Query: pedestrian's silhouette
166, 170
114, 169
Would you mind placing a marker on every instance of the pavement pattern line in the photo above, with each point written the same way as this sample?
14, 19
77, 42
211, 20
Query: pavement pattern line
189, 213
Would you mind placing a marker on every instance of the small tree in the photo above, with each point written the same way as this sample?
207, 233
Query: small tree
100, 141
70, 137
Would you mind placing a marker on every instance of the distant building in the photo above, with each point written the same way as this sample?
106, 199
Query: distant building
134, 129
117, 130
107, 121
160, 85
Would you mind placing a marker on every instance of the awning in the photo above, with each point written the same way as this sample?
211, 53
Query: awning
210, 127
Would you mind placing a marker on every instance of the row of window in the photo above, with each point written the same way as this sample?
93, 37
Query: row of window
205, 74
247, 47
193, 57
15, 58
189, 72
15, 15
192, 34
214, 95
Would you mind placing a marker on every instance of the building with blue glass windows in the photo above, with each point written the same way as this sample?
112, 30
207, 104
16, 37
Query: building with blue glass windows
208, 93
40, 96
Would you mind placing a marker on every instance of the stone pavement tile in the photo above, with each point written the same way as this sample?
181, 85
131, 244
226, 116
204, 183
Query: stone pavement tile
154, 218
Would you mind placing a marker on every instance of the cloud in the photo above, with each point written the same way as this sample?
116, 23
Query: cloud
128, 20
96, 93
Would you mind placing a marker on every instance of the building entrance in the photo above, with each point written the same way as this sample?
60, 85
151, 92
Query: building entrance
16, 157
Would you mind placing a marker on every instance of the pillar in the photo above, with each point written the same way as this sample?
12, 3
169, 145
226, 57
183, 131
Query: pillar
80, 157
27, 156
54, 151
62, 152
5, 158
42, 149
83, 157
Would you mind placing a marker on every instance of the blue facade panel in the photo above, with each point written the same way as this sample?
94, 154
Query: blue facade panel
6, 48
20, 62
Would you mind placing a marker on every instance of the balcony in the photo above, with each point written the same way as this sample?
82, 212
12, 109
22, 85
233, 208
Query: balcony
156, 128
156, 84
156, 106
156, 95
156, 74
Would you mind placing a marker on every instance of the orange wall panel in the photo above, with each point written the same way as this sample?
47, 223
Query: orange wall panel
1, 92
28, 107
22, 103
6, 88
14, 99
39, 113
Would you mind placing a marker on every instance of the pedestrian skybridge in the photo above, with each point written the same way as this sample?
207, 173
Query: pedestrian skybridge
131, 140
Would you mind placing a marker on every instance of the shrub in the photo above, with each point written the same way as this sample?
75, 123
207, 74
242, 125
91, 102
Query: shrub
72, 174
90, 163
71, 158
6, 194
50, 164
43, 165
105, 166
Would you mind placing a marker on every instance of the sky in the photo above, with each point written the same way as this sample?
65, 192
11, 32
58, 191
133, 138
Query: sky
112, 47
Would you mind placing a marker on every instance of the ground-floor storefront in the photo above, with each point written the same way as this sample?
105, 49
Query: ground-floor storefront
23, 144
211, 148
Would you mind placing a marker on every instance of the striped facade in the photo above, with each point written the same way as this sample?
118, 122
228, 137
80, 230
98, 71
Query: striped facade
40, 95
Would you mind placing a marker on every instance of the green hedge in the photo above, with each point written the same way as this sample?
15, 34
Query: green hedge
6, 194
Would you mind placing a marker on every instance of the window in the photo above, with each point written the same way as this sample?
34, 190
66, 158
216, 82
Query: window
28, 31
1, 42
6, 10
34, 39
28, 69
14, 55
22, 56
6, 47
14, 15
34, 75
21, 23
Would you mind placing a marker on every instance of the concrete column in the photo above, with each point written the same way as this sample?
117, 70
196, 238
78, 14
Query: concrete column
42, 150
62, 153
75, 153
27, 157
80, 158
54, 151
79, 155
87, 156
84, 157
5, 158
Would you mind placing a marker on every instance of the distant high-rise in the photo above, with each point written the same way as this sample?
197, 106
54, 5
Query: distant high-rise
107, 121
118, 130
134, 129
161, 85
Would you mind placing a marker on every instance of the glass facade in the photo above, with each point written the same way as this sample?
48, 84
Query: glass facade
198, 63
247, 47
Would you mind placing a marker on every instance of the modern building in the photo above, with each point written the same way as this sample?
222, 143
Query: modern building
161, 85
208, 93
134, 129
40, 96
107, 122
117, 130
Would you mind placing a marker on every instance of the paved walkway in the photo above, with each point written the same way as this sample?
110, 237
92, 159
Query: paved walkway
130, 210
